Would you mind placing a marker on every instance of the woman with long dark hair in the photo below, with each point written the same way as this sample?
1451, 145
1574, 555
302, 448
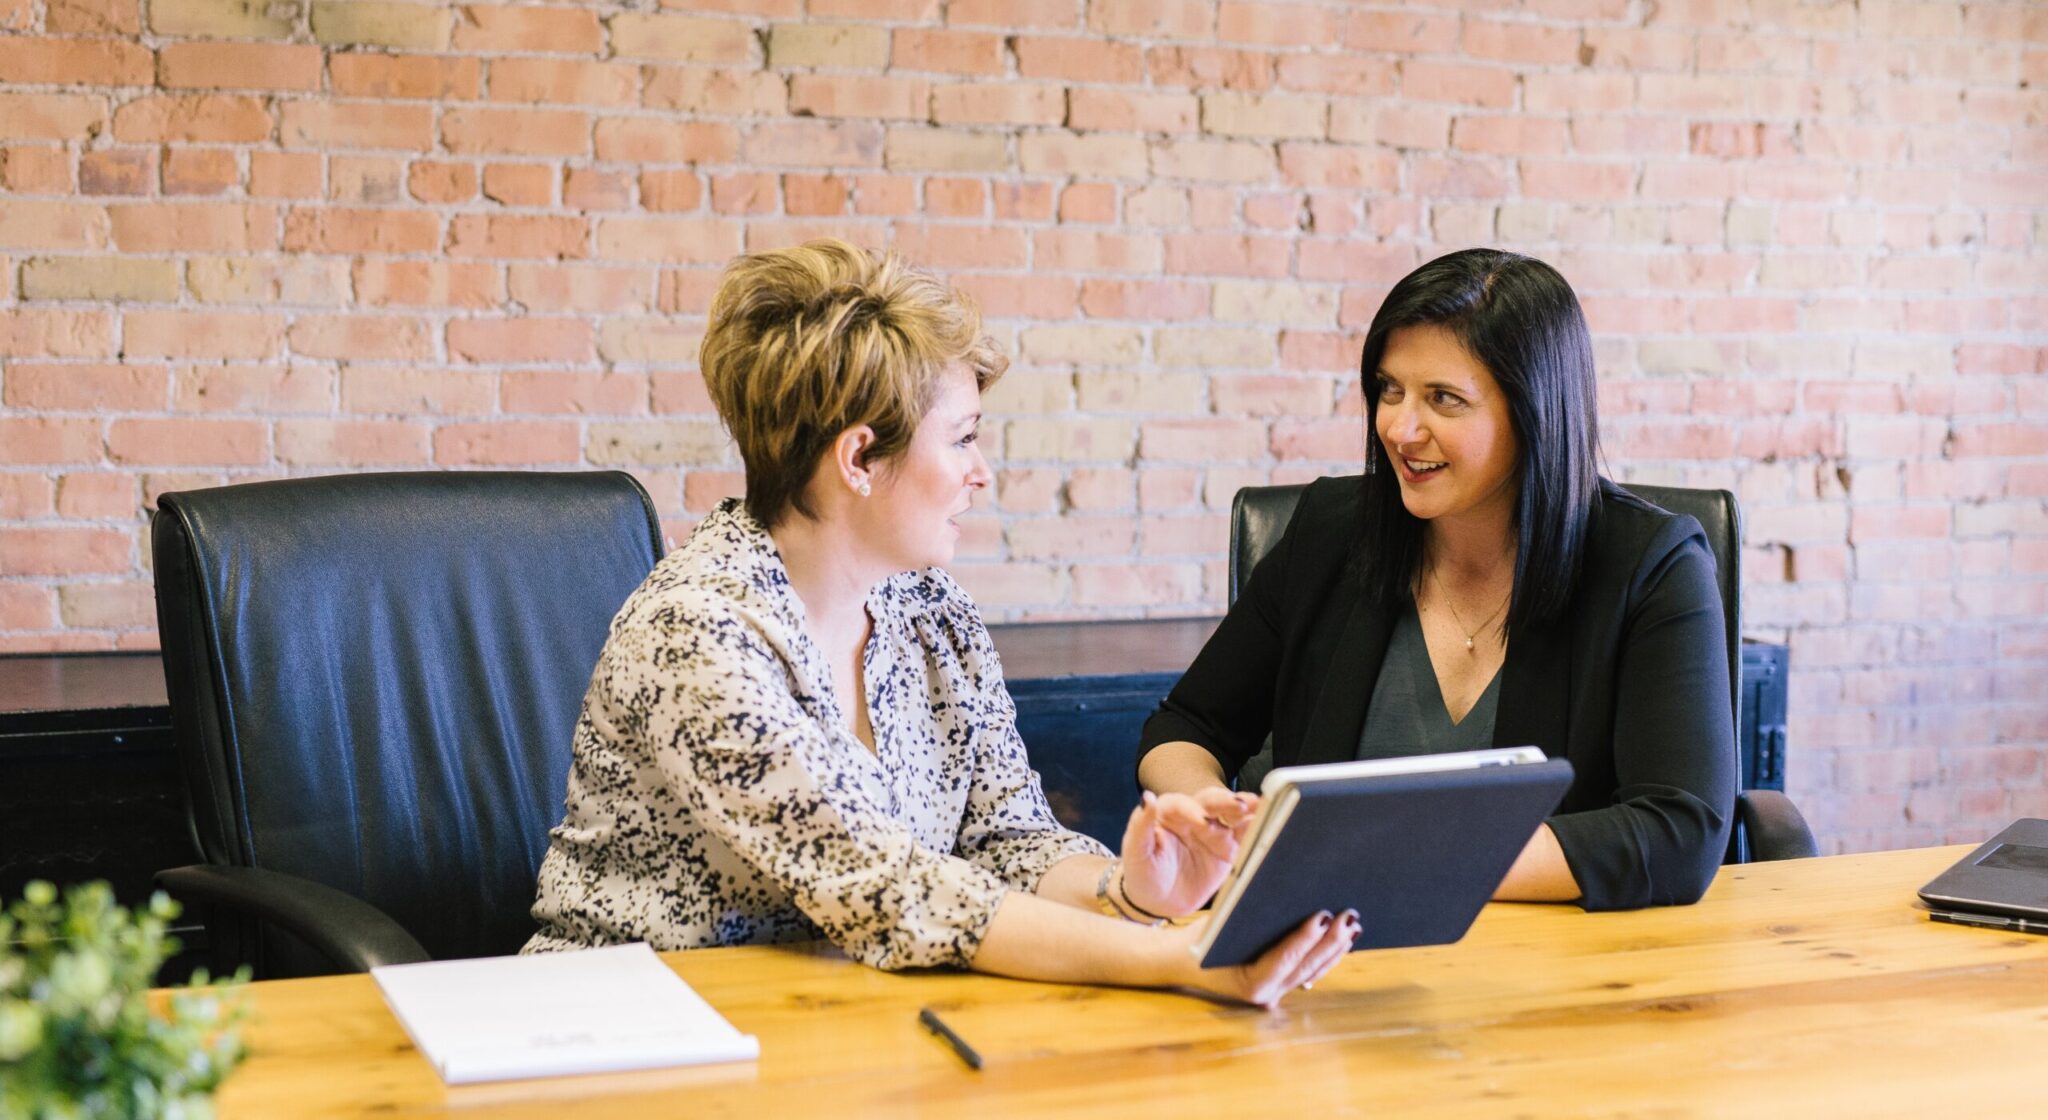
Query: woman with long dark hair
1480, 585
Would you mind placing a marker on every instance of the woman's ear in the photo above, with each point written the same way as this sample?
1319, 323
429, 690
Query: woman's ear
849, 458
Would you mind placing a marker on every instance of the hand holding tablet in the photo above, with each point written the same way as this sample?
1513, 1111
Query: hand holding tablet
1416, 845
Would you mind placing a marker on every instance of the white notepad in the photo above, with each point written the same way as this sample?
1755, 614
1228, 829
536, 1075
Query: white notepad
588, 1011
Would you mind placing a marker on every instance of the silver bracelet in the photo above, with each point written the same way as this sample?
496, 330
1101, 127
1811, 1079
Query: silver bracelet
1107, 903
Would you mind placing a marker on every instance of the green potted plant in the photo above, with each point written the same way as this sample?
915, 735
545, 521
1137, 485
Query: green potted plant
78, 1037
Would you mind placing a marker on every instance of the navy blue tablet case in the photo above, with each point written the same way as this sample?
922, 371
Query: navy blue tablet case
1417, 855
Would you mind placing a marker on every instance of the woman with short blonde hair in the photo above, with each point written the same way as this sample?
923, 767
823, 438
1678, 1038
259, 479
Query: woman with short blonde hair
798, 727
808, 342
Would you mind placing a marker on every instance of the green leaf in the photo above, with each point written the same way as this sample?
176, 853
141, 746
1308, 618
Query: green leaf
76, 1031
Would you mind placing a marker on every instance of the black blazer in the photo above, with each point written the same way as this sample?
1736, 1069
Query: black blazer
1631, 685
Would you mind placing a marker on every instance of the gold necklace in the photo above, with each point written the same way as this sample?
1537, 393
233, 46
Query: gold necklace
1453, 608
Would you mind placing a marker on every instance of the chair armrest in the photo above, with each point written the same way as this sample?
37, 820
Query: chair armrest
346, 930
1775, 827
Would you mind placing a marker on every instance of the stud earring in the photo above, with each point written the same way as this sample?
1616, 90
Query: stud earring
863, 487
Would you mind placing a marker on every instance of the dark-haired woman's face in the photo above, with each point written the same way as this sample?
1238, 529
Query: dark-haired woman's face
1443, 423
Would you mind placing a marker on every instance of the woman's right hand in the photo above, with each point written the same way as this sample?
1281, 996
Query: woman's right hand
1178, 848
1301, 958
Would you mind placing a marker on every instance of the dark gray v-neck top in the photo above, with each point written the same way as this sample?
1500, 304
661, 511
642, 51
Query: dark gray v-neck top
1407, 713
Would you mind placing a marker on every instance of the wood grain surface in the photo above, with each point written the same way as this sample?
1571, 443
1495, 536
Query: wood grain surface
1814, 987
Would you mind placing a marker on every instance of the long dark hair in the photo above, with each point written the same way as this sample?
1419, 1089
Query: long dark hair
1520, 319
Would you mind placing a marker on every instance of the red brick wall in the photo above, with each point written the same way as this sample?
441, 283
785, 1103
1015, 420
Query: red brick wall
241, 240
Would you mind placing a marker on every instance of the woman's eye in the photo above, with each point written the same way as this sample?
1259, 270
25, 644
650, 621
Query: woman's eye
1448, 400
1388, 390
969, 438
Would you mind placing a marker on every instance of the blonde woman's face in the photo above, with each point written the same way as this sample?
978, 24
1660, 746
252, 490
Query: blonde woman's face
918, 495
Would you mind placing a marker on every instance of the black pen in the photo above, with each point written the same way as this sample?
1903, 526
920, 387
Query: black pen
938, 1027
1987, 921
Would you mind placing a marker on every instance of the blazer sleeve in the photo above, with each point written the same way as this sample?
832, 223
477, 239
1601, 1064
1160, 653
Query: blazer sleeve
1224, 702
1662, 839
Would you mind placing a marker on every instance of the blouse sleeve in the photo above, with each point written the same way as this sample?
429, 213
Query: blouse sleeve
1662, 839
1008, 827
731, 739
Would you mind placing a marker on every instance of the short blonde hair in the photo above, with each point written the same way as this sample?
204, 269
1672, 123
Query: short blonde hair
807, 342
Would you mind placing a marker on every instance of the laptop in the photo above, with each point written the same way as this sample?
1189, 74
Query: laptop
2007, 876
1416, 845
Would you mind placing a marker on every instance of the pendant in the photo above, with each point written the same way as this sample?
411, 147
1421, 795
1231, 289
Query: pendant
1468, 645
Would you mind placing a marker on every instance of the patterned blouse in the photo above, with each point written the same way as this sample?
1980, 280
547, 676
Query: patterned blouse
716, 797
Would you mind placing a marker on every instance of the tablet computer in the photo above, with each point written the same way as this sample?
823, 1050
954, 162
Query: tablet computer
1416, 845
2007, 875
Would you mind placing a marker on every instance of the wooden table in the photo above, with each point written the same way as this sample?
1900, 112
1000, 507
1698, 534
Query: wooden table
1808, 988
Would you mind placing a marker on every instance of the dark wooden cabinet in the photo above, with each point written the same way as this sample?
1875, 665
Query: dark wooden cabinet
1083, 690
89, 783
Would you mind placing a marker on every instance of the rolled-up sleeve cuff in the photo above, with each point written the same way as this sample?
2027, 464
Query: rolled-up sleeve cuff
1606, 866
1169, 726
1024, 861
1620, 867
934, 916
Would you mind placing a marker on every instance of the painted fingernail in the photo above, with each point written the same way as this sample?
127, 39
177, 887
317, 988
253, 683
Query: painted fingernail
1323, 920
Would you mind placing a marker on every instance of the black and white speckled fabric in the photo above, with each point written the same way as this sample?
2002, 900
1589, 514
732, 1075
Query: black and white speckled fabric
716, 798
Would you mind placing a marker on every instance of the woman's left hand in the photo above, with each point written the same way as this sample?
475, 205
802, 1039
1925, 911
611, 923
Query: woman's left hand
1178, 848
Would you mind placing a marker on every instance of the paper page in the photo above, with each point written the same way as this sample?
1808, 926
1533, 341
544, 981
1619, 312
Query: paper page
1273, 814
588, 1011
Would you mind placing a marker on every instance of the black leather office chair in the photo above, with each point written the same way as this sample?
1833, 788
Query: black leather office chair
1768, 826
373, 683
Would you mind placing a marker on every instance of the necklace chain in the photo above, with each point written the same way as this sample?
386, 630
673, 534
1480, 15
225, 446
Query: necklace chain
1453, 608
